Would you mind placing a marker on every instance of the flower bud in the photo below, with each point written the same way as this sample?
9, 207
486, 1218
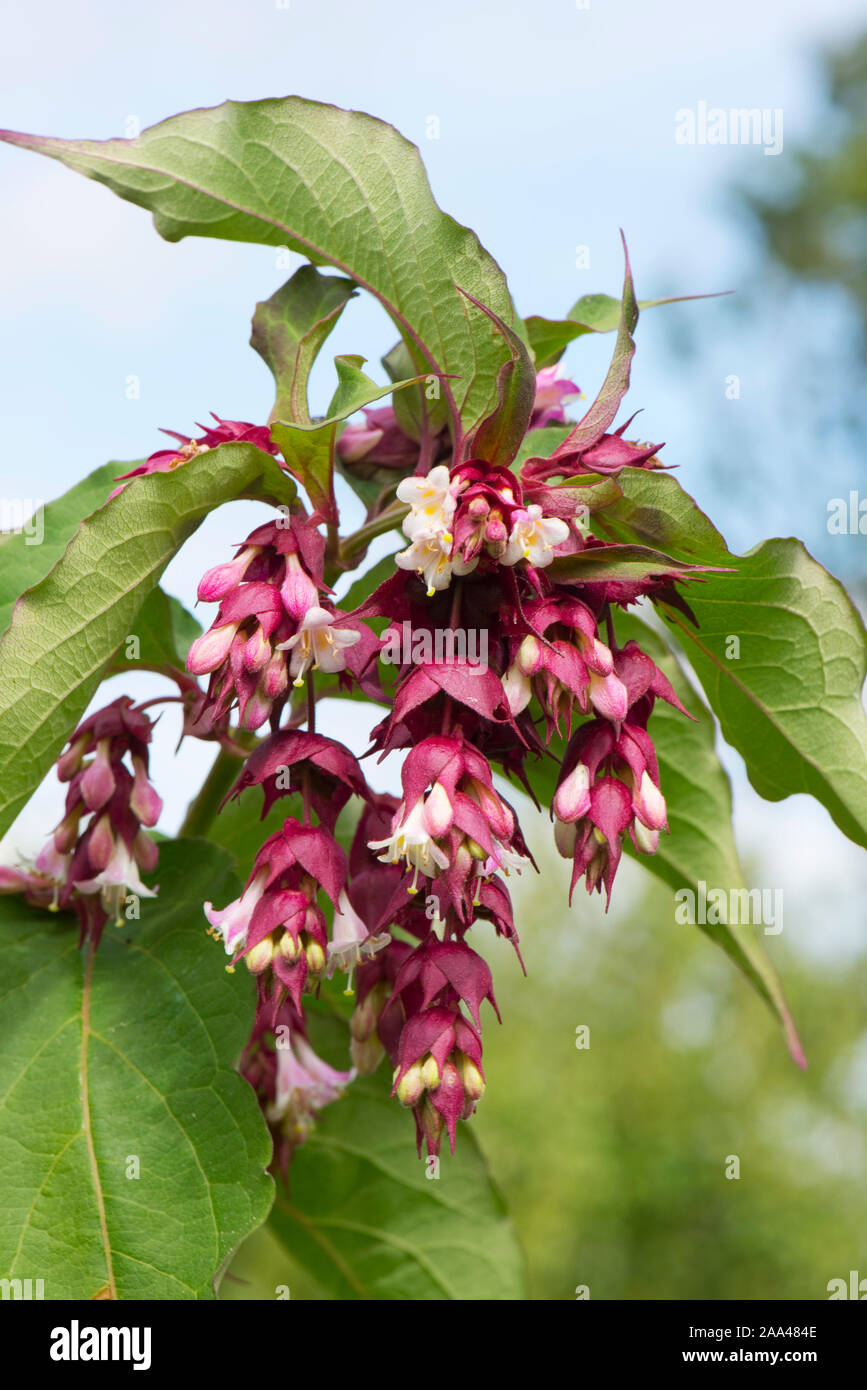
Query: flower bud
315, 957
66, 833
572, 797
646, 840
471, 1078
257, 651
260, 956
411, 1085
69, 762
430, 1073
529, 658
649, 803
144, 801
145, 852
565, 836
289, 947
97, 783
597, 656
256, 710
100, 846
216, 583
298, 591
609, 696
275, 677
517, 689
211, 649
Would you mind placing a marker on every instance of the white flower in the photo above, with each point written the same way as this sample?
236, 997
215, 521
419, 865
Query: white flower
431, 501
304, 1085
411, 840
319, 644
534, 537
350, 939
503, 861
117, 880
430, 556
231, 923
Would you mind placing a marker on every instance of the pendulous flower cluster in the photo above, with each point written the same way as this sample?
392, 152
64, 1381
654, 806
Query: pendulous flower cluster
379, 890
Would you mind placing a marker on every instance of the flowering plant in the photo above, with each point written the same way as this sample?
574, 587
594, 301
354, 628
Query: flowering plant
547, 581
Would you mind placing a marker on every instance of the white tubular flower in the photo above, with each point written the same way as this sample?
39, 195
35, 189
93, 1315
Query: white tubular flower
534, 537
319, 644
432, 503
503, 861
350, 940
430, 556
230, 924
411, 840
305, 1084
118, 879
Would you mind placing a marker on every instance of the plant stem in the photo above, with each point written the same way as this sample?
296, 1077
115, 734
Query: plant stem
360, 539
205, 804
311, 704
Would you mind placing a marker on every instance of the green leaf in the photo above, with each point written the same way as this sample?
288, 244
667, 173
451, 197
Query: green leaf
499, 436
654, 508
127, 1054
165, 632
415, 409
616, 562
701, 845
68, 627
541, 443
309, 449
549, 338
592, 313
337, 186
790, 700
289, 330
366, 1221
26, 556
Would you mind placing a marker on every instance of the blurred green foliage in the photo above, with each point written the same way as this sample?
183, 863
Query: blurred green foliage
819, 229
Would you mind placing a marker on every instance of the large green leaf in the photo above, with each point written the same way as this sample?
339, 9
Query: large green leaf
362, 1216
67, 628
337, 186
701, 845
27, 555
788, 690
123, 1055
289, 330
780, 650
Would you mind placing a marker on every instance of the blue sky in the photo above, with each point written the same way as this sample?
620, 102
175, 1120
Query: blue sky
556, 127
